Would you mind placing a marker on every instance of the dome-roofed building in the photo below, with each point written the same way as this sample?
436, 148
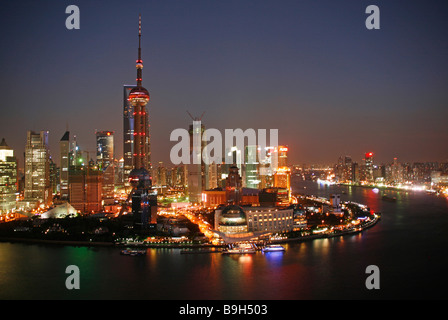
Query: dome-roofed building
231, 219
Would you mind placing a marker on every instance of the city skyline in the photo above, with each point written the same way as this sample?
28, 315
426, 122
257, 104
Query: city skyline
335, 87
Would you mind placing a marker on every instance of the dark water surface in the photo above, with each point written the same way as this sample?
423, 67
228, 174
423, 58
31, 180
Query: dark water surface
409, 245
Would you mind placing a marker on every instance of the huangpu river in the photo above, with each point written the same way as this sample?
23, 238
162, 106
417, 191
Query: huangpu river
408, 245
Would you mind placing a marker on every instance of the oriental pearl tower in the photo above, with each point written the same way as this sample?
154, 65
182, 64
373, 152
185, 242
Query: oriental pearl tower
144, 199
139, 98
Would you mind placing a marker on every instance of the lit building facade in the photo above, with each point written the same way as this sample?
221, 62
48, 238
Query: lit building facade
270, 219
234, 219
106, 163
369, 178
197, 170
85, 190
8, 178
231, 220
64, 160
37, 170
128, 132
250, 174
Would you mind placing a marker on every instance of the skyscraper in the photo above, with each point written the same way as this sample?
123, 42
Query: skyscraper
128, 132
197, 169
64, 149
105, 162
369, 167
8, 178
250, 173
37, 169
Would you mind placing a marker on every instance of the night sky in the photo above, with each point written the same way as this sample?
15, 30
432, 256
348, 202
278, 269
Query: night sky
308, 68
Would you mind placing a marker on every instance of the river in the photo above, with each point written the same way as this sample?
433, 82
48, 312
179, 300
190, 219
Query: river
408, 245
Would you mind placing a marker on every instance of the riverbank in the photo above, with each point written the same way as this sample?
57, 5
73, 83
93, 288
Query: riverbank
182, 245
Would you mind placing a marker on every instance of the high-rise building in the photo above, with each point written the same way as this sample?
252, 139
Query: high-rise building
85, 186
8, 178
37, 169
64, 149
105, 162
369, 167
197, 169
282, 178
282, 156
128, 131
396, 172
233, 186
250, 174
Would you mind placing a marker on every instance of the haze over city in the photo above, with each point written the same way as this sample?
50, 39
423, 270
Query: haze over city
310, 69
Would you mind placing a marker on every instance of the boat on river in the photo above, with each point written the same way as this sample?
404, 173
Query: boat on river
133, 252
273, 248
241, 248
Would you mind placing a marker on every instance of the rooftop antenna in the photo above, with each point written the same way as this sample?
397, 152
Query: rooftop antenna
196, 119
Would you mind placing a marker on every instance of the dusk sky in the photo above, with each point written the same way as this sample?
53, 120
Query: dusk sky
308, 68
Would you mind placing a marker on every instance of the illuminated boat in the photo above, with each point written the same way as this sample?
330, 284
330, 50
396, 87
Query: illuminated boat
133, 252
240, 249
273, 248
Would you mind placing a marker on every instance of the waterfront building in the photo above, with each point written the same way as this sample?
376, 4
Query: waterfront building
270, 219
37, 170
8, 178
355, 175
368, 173
105, 162
64, 160
233, 219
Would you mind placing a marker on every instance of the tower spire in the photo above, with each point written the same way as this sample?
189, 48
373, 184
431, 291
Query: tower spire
139, 60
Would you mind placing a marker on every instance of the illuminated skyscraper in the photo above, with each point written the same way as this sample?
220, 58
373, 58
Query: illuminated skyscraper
64, 149
37, 169
128, 132
197, 169
8, 178
369, 167
250, 169
105, 161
